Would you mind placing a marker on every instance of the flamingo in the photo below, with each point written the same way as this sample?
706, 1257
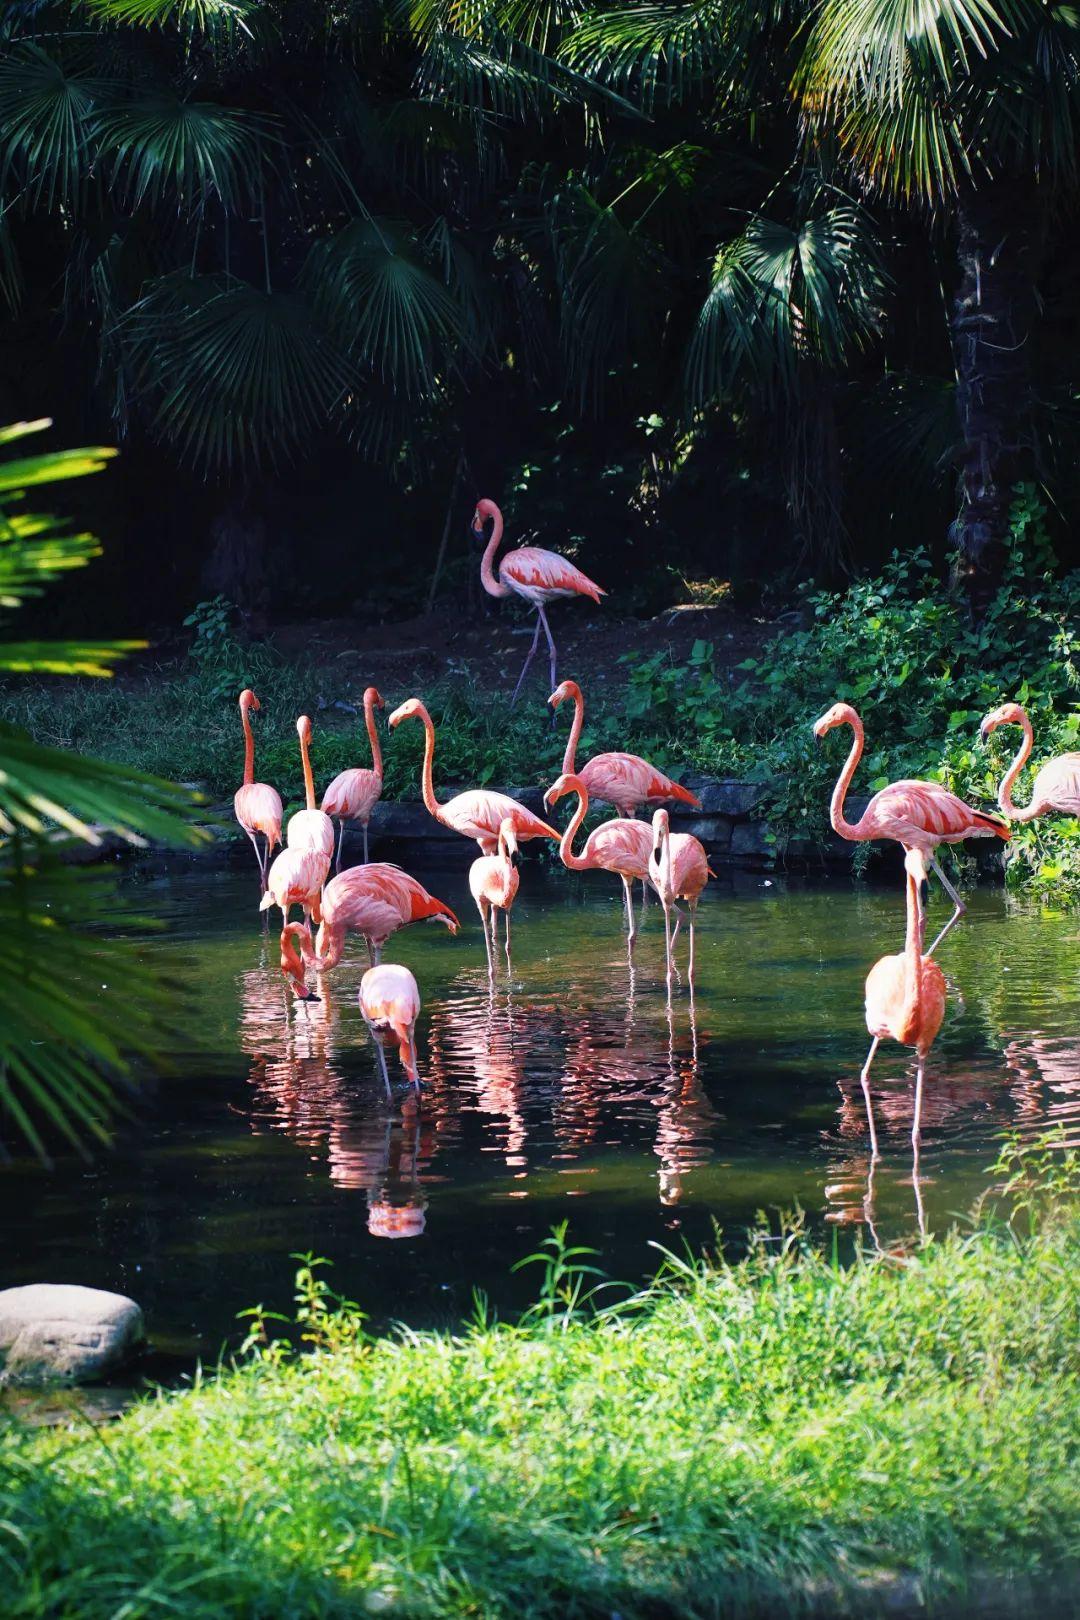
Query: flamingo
390, 1003
905, 999
353, 794
373, 900
1057, 783
309, 828
537, 575
478, 813
295, 878
293, 958
678, 870
257, 806
918, 815
493, 882
625, 781
621, 845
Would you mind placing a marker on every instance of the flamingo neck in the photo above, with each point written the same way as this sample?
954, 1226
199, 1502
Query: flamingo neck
845, 828
664, 864
568, 767
913, 955
292, 960
373, 736
329, 944
427, 784
488, 579
575, 863
1023, 754
309, 780
249, 747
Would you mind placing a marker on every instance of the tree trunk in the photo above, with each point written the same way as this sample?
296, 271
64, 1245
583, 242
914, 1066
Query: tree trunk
991, 323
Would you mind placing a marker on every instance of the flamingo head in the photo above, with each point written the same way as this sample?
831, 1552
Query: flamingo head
248, 700
564, 690
484, 509
375, 698
1009, 714
564, 784
508, 844
841, 714
303, 728
292, 959
661, 827
411, 709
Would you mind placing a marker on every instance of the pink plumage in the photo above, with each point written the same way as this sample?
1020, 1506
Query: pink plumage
256, 805
1056, 785
354, 793
373, 900
390, 1004
624, 780
678, 870
295, 878
493, 884
622, 846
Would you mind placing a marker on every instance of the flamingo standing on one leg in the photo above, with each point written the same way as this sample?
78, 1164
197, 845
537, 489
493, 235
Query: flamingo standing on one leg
353, 794
478, 813
390, 1004
493, 883
678, 870
625, 781
257, 806
1057, 783
918, 815
309, 828
530, 572
622, 845
373, 900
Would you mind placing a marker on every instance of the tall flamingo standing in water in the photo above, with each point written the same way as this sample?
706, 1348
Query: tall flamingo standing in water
625, 781
257, 806
477, 813
678, 870
493, 883
1057, 783
309, 828
918, 815
373, 900
390, 1004
353, 794
622, 845
530, 572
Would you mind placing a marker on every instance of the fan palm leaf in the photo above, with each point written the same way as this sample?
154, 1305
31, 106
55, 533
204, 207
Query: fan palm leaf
46, 121
192, 149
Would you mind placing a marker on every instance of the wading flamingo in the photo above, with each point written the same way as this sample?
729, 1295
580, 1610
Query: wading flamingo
622, 845
478, 813
918, 815
353, 794
309, 828
390, 1003
295, 878
375, 901
493, 883
1057, 783
678, 870
538, 576
905, 1000
293, 958
257, 806
625, 781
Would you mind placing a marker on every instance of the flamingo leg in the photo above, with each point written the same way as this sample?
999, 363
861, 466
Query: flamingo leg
525, 665
550, 642
920, 1212
693, 923
506, 941
644, 899
865, 1078
415, 1059
667, 943
381, 1055
631, 931
340, 841
365, 844
487, 940
916, 1128
956, 900
258, 857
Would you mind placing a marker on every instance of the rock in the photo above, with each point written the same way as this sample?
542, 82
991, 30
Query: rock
754, 841
728, 797
714, 831
60, 1332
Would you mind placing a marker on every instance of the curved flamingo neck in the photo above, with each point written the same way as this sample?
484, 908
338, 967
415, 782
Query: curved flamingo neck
845, 828
1023, 754
575, 863
249, 746
488, 579
373, 735
329, 945
575, 733
427, 783
309, 780
292, 960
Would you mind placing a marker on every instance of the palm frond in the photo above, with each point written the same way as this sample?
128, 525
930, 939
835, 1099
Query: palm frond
193, 150
46, 112
662, 54
206, 16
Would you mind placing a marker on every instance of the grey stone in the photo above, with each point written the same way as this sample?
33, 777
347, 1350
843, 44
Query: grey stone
61, 1332
714, 831
754, 841
729, 797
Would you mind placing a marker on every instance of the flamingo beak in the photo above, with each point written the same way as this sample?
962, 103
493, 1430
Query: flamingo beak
985, 729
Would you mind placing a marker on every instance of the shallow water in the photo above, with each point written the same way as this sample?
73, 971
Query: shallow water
565, 1094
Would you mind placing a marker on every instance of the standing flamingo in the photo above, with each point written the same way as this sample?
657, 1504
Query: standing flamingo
625, 781
353, 794
478, 813
257, 806
918, 815
493, 883
309, 828
678, 870
537, 575
621, 845
1057, 783
373, 900
390, 1004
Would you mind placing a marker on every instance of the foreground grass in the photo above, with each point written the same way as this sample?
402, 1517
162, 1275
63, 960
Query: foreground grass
763, 1437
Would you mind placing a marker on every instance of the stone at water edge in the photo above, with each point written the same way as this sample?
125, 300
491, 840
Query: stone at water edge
61, 1332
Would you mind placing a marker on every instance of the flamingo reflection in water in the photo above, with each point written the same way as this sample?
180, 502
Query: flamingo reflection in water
476, 1048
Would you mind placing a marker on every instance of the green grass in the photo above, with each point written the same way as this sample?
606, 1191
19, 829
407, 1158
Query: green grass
741, 1438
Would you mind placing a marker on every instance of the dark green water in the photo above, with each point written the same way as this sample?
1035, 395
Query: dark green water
566, 1095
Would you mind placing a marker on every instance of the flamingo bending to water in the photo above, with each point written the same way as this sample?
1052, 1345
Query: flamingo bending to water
375, 901
1057, 783
678, 870
353, 794
390, 1004
257, 806
493, 883
530, 572
309, 828
918, 815
622, 845
477, 813
295, 878
625, 781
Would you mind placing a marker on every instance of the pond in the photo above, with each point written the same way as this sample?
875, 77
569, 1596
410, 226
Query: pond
567, 1094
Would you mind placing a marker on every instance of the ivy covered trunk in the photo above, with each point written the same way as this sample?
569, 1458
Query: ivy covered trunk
991, 324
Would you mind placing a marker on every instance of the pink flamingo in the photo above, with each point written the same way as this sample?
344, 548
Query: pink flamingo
478, 813
493, 882
295, 878
622, 845
353, 794
293, 958
309, 828
1057, 783
530, 572
257, 806
625, 781
373, 900
678, 870
390, 1004
918, 815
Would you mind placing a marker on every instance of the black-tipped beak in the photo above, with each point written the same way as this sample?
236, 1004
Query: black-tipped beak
515, 858
308, 995
657, 852
924, 891
984, 730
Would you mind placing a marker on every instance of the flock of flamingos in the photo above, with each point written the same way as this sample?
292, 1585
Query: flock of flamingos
905, 993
